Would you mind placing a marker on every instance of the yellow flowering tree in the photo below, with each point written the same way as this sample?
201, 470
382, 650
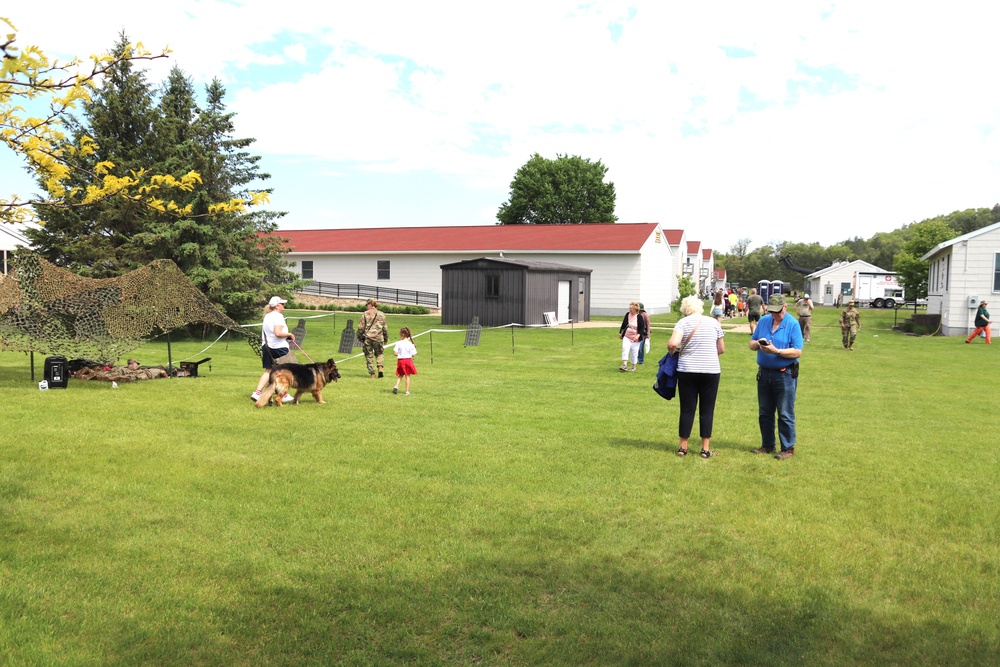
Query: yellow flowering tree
37, 94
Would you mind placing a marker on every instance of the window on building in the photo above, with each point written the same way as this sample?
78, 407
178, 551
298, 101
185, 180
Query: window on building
383, 269
947, 271
493, 286
307, 269
996, 272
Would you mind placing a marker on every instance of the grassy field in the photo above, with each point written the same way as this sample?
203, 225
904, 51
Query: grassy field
523, 506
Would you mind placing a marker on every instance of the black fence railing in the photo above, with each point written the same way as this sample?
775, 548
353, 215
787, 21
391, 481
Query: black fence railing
371, 291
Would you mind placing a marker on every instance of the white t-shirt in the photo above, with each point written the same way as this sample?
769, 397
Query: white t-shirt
272, 320
404, 349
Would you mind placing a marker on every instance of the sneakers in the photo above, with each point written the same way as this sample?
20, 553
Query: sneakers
395, 390
255, 396
632, 370
623, 368
407, 394
787, 454
288, 400
762, 450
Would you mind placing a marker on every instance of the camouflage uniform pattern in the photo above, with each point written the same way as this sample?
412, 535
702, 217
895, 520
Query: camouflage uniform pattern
373, 332
850, 324
120, 374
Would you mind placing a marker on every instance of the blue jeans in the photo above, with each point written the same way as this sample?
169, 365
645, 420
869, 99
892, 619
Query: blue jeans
776, 392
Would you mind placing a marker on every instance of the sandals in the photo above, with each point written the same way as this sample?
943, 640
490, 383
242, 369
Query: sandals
706, 454
682, 452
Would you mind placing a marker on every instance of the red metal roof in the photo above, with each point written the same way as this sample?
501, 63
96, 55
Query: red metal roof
706, 254
493, 238
693, 247
674, 236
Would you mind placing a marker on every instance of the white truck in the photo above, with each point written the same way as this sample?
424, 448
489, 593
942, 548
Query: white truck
878, 290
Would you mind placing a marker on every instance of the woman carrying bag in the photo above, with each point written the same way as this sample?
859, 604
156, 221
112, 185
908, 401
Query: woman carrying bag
699, 340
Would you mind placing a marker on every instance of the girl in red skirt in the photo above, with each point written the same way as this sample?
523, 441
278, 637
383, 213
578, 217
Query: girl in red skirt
404, 350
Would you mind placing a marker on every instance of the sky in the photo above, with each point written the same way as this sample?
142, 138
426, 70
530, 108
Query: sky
786, 121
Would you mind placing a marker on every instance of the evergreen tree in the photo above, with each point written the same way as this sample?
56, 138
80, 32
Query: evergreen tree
232, 257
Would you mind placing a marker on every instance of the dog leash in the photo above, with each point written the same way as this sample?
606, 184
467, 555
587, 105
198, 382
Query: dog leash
296, 344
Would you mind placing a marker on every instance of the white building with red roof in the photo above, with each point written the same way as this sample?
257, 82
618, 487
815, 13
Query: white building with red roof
628, 261
677, 240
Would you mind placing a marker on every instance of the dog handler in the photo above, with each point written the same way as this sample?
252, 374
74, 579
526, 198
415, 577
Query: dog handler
275, 339
374, 334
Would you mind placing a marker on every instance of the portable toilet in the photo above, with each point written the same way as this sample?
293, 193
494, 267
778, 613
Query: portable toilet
764, 289
776, 287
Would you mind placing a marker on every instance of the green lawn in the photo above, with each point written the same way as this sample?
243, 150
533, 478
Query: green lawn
523, 506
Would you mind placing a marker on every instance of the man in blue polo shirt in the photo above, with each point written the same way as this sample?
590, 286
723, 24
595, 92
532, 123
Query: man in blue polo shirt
777, 340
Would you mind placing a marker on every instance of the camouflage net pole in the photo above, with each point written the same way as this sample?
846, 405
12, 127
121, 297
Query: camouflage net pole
50, 310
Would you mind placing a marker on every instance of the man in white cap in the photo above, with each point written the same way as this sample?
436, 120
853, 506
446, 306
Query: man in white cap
275, 339
804, 308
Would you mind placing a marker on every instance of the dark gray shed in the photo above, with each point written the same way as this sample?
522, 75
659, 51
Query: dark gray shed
503, 291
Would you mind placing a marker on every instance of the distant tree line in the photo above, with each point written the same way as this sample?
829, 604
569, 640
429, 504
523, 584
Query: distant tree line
899, 250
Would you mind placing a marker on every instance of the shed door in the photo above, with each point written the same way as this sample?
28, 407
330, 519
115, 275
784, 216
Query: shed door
562, 305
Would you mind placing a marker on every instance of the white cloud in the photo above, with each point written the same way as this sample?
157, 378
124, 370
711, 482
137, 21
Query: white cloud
897, 122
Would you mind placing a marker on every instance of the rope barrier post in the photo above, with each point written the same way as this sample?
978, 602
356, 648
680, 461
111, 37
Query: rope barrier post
170, 358
431, 334
512, 339
32, 354
571, 333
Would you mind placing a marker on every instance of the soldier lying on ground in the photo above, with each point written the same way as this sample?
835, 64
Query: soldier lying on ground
131, 372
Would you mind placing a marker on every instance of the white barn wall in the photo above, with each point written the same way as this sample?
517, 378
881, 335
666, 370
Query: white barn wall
616, 278
658, 285
816, 283
970, 274
678, 253
420, 272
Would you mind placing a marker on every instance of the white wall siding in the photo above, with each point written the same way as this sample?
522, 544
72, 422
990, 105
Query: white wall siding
678, 253
968, 273
616, 278
658, 284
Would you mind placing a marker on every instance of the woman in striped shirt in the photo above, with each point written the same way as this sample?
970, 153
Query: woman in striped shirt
700, 342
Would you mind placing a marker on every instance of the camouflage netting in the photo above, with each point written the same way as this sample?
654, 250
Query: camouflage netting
50, 310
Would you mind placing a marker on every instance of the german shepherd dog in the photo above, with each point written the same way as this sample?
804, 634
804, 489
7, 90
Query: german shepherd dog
301, 378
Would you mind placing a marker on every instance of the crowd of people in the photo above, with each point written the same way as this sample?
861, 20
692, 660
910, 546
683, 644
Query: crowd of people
777, 340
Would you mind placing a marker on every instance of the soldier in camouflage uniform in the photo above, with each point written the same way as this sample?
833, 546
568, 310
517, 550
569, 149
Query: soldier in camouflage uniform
850, 325
373, 332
